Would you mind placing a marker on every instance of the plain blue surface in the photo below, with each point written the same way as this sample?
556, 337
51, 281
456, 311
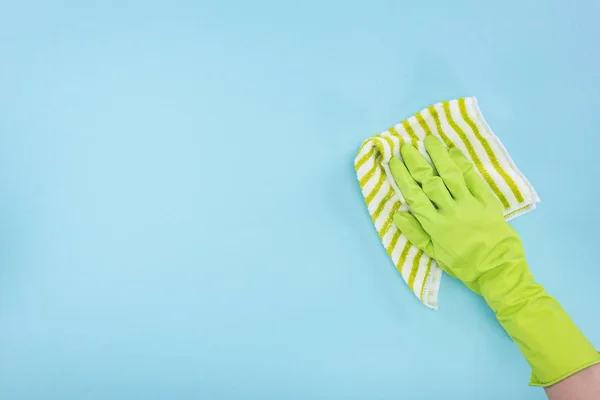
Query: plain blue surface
180, 218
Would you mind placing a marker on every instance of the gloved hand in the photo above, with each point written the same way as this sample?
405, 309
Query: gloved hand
457, 220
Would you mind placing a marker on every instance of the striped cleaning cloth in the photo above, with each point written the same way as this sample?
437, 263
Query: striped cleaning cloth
458, 123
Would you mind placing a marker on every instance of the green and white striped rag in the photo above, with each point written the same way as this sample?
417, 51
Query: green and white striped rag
458, 123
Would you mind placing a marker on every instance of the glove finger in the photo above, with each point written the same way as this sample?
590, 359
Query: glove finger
475, 183
447, 169
415, 197
423, 172
435, 189
412, 228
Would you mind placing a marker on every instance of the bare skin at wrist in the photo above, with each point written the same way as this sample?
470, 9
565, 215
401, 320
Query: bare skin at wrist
584, 385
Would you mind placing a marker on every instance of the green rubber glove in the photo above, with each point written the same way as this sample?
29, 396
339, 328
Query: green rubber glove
457, 220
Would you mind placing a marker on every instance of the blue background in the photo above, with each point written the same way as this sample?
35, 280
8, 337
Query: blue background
179, 214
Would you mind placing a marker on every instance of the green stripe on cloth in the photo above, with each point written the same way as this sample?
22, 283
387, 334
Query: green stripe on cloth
414, 270
438, 126
388, 222
364, 158
519, 211
376, 188
381, 206
403, 256
423, 124
414, 139
395, 133
474, 157
363, 181
391, 143
428, 268
390, 248
490, 153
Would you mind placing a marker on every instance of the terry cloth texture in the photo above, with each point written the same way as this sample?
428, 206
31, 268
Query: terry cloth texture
457, 123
